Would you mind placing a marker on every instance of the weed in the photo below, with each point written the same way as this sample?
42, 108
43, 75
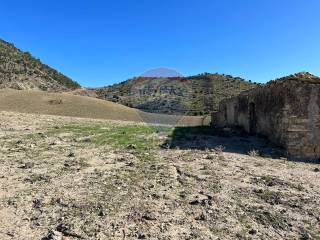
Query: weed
267, 218
219, 149
254, 153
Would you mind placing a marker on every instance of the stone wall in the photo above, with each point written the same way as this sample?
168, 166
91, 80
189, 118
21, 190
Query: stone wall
285, 111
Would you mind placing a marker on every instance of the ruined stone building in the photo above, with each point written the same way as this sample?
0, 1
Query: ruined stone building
287, 111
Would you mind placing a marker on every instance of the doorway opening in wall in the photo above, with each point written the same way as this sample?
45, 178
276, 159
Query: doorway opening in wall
252, 118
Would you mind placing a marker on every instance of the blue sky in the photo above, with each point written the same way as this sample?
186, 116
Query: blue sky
102, 42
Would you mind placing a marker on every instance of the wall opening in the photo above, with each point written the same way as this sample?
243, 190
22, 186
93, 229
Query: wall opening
252, 118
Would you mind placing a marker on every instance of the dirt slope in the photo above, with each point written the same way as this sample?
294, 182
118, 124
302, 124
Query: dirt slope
63, 104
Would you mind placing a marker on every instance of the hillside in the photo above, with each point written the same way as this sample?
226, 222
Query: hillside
64, 104
177, 95
195, 95
20, 70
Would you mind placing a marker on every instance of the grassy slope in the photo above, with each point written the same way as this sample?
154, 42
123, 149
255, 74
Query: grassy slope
64, 104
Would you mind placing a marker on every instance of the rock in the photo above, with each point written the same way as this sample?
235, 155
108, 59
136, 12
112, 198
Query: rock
202, 217
12, 202
68, 163
149, 217
195, 202
101, 213
54, 235
27, 165
66, 231
10, 234
87, 140
130, 164
316, 170
253, 232
121, 159
131, 146
141, 236
71, 154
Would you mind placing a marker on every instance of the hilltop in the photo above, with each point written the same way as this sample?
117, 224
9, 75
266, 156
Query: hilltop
20, 70
194, 95
300, 76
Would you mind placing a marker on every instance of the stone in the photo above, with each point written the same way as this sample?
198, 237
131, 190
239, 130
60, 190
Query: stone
54, 235
71, 154
286, 111
27, 165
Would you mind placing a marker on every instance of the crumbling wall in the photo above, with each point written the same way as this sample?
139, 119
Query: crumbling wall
303, 111
287, 112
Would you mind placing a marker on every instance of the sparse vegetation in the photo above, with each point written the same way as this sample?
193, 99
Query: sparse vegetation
254, 153
20, 70
91, 179
195, 95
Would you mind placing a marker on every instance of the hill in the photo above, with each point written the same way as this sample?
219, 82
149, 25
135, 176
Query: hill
20, 70
194, 95
64, 104
159, 90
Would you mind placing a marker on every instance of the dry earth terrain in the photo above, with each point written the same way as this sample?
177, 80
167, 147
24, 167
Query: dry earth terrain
64, 104
72, 178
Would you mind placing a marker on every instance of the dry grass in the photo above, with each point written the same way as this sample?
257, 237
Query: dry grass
96, 179
63, 104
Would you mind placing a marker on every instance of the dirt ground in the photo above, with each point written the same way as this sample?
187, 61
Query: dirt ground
65, 104
70, 178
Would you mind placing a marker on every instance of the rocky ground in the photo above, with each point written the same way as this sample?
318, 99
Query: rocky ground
68, 178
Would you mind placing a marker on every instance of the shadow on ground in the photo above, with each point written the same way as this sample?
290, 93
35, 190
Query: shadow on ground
233, 141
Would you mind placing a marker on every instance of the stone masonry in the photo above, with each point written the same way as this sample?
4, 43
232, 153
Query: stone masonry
287, 111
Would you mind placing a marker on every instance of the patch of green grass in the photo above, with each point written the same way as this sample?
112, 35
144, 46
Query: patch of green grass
271, 181
37, 178
138, 137
267, 218
268, 196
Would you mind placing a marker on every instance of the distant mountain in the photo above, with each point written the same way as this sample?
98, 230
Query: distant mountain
20, 70
194, 95
162, 73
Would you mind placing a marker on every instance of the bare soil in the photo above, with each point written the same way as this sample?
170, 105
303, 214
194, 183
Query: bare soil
73, 178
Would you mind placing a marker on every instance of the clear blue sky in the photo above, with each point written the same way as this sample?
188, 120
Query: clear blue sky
102, 42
